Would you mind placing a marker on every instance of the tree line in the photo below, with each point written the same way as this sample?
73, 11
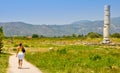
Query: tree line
89, 35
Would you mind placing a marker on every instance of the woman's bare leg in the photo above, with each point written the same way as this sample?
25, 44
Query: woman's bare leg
19, 63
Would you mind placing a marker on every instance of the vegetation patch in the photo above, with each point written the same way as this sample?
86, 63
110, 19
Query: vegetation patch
67, 55
77, 59
4, 58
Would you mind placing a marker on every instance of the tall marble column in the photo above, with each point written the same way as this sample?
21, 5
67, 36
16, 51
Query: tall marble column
106, 33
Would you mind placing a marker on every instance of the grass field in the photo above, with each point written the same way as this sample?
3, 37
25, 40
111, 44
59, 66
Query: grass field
69, 55
4, 63
77, 59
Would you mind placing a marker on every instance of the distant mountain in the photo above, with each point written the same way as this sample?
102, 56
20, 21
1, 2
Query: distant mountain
78, 27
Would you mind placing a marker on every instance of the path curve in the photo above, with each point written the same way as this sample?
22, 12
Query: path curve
27, 67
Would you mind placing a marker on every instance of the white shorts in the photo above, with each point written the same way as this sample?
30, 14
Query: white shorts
20, 55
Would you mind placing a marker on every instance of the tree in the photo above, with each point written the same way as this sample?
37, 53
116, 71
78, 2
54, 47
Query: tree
35, 36
1, 37
80, 35
74, 35
115, 35
93, 35
41, 36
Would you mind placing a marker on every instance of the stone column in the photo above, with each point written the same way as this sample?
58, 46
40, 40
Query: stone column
106, 33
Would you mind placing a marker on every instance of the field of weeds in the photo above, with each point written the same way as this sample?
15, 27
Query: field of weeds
3, 63
77, 59
69, 55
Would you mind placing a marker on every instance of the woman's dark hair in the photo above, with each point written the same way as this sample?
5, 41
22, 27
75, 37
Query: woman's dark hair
20, 44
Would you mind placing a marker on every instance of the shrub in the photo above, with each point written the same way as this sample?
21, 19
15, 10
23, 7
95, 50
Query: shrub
4, 62
35, 36
62, 51
1, 36
15, 45
26, 45
93, 35
95, 57
14, 49
115, 35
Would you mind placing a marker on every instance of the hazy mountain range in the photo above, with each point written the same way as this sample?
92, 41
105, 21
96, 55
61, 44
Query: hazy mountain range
77, 27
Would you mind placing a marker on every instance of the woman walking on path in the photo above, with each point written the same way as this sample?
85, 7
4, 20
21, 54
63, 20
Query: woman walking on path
20, 55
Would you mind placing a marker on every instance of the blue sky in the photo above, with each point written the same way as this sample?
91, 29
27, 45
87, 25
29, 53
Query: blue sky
55, 11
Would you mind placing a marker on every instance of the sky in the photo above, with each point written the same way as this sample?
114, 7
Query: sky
55, 11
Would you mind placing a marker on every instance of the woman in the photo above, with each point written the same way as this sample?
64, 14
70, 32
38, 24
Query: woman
20, 55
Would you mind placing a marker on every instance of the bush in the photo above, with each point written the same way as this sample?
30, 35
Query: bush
14, 49
95, 57
15, 45
115, 35
93, 35
1, 37
4, 62
1, 45
62, 51
26, 45
35, 36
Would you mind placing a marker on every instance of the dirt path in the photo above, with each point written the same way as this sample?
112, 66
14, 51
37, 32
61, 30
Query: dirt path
27, 67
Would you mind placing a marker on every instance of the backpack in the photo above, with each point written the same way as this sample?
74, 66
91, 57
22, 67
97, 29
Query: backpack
23, 49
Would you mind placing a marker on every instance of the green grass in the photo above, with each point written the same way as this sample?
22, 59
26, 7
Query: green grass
4, 63
77, 59
69, 55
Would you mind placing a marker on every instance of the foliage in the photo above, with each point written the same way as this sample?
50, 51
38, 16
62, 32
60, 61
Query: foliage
115, 35
93, 35
69, 55
25, 45
74, 35
80, 35
4, 63
35, 36
95, 57
77, 59
41, 36
1, 37
1, 45
62, 51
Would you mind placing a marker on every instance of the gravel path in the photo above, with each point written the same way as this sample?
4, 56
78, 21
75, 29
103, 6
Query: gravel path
27, 67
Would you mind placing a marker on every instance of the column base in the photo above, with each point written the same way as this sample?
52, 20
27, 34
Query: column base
106, 41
